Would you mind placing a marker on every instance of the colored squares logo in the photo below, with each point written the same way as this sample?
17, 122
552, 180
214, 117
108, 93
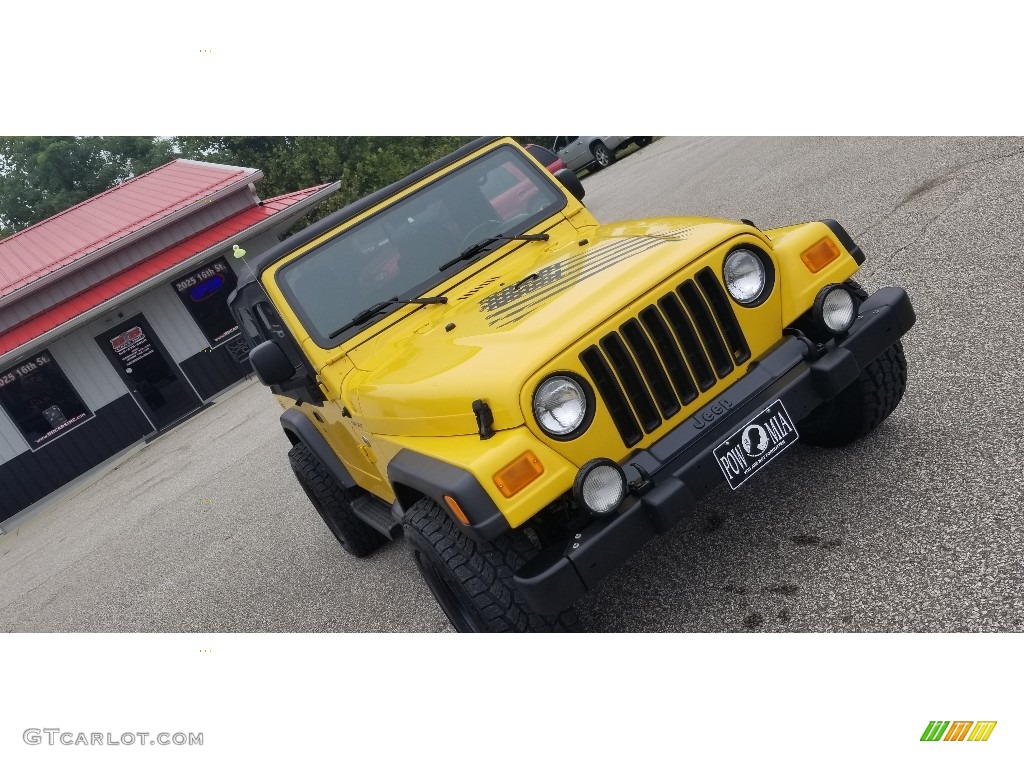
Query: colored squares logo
958, 730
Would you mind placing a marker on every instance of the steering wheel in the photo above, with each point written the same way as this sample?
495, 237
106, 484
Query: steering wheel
473, 236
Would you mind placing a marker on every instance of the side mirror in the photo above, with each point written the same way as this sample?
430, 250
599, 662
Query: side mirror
271, 363
568, 180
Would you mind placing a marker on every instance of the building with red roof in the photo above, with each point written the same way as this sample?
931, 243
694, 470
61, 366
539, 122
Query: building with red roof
113, 316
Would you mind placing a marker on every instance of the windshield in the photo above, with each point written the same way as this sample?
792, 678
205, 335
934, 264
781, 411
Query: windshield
397, 252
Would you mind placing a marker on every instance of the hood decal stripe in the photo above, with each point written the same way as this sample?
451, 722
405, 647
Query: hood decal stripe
553, 273
579, 271
514, 313
507, 306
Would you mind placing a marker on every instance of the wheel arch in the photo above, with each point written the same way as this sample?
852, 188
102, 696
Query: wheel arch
414, 476
299, 429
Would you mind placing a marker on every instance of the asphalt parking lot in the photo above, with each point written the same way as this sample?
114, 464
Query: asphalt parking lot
916, 528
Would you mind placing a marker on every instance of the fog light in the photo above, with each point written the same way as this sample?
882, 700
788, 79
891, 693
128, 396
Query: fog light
600, 486
835, 309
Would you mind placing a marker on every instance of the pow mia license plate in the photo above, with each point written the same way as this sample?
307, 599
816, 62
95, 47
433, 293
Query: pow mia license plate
757, 442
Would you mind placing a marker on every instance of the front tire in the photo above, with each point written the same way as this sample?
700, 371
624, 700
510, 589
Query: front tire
333, 504
602, 155
472, 581
862, 406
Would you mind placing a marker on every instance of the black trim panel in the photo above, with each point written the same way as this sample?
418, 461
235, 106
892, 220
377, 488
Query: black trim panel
30, 476
415, 472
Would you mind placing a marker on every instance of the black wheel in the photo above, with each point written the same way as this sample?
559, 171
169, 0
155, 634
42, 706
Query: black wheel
602, 155
643, 141
333, 504
862, 406
472, 581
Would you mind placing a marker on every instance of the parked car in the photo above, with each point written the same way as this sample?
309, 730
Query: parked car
545, 157
469, 356
580, 152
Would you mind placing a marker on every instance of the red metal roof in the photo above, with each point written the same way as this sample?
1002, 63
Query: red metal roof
70, 235
113, 286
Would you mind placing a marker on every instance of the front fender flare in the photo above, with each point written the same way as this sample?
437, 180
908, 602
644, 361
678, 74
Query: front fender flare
413, 475
299, 429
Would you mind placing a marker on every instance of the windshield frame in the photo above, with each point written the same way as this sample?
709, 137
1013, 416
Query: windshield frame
321, 337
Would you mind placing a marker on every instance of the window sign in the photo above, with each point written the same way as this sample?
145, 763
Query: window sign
205, 295
40, 400
131, 347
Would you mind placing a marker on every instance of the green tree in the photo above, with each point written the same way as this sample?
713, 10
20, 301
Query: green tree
43, 175
363, 164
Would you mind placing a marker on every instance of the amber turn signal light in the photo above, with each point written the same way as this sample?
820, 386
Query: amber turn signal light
512, 478
457, 510
820, 255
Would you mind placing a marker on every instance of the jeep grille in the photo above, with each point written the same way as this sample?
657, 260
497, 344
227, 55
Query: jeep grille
660, 360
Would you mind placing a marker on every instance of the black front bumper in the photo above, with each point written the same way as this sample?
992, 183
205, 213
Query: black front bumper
681, 466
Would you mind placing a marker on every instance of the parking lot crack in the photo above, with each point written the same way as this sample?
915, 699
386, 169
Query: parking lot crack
950, 174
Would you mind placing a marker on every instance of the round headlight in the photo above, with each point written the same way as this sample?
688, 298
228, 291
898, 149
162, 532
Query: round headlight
600, 486
745, 276
560, 405
835, 308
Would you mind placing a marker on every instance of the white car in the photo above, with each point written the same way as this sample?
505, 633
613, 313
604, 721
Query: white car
585, 151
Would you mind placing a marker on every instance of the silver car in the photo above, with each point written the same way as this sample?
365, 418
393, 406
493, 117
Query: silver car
587, 151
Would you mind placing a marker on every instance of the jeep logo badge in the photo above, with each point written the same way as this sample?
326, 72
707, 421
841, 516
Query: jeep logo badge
712, 412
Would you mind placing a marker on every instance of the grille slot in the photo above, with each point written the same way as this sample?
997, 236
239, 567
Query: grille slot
660, 360
662, 338
651, 367
709, 334
614, 398
683, 328
724, 315
637, 392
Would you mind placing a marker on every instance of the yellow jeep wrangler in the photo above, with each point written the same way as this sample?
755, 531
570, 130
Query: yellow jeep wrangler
470, 356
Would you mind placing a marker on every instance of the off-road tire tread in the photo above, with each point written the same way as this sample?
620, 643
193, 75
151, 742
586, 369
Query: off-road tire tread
484, 569
355, 536
862, 406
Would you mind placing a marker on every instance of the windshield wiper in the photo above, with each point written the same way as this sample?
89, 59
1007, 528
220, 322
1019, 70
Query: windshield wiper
379, 308
473, 250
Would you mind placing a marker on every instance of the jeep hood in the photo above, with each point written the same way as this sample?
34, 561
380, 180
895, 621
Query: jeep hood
505, 320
